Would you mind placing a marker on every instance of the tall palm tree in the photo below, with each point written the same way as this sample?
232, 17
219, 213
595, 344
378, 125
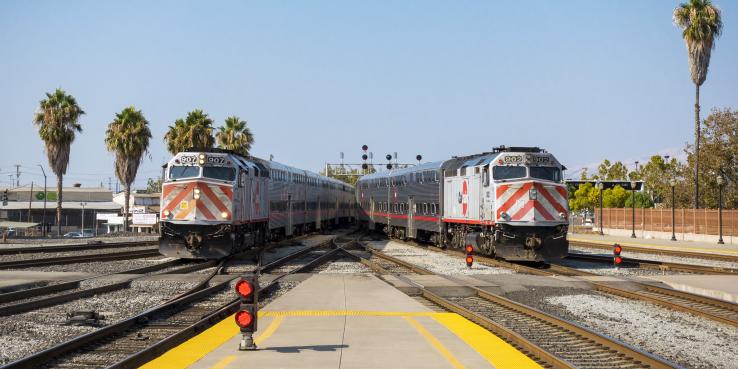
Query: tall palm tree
235, 136
128, 137
195, 131
57, 124
701, 24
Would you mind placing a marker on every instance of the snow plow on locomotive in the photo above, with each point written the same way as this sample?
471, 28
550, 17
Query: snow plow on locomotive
216, 203
509, 203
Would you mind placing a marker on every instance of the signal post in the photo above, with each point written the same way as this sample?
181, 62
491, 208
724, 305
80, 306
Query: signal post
247, 289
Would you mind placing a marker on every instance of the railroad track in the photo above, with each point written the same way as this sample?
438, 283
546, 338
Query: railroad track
551, 341
73, 259
647, 250
701, 306
24, 301
138, 339
73, 247
654, 264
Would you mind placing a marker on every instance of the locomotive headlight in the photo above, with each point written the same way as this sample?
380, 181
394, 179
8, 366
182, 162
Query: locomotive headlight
224, 215
166, 213
197, 194
201, 158
532, 194
505, 216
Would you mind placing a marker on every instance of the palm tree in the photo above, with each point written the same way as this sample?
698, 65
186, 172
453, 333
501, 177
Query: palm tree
195, 131
702, 24
128, 137
57, 124
235, 136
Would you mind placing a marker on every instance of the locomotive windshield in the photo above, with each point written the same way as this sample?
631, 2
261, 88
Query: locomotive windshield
512, 172
547, 173
181, 171
221, 173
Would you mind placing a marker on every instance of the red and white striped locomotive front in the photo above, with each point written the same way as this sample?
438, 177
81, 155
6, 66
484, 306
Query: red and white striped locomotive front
531, 201
199, 189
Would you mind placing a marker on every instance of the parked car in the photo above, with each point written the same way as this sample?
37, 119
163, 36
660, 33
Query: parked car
11, 232
73, 235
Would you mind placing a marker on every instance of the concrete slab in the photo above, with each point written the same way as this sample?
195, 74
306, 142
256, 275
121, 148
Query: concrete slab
693, 246
348, 321
722, 287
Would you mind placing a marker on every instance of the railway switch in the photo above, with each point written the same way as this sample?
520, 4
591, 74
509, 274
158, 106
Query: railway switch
616, 250
247, 289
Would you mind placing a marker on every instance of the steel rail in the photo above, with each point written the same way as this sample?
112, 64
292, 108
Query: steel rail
60, 260
73, 247
224, 311
650, 250
655, 264
137, 322
619, 352
56, 299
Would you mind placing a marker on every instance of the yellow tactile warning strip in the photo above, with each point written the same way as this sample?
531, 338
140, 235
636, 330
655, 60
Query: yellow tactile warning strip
706, 251
435, 343
197, 347
496, 351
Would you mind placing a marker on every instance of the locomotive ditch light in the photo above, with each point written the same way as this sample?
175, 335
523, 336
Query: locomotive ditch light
224, 215
562, 215
166, 213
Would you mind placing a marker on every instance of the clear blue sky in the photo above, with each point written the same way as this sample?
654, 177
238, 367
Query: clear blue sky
585, 79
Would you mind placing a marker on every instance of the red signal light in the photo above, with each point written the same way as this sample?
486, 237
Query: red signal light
469, 249
617, 249
244, 288
469, 261
618, 260
244, 319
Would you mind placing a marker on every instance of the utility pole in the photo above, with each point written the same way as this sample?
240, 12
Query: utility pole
30, 200
17, 175
43, 217
110, 185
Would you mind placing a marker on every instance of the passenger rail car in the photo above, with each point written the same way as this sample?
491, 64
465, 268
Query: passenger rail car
216, 203
510, 203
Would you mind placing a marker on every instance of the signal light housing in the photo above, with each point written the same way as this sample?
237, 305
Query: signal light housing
616, 250
364, 157
469, 249
469, 261
469, 257
245, 289
364, 147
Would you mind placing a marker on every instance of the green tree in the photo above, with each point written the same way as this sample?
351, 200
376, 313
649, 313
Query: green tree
57, 122
128, 138
193, 132
153, 185
581, 199
614, 197
235, 136
608, 171
642, 200
701, 24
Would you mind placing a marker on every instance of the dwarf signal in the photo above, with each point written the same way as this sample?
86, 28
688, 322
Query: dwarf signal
616, 258
247, 289
469, 256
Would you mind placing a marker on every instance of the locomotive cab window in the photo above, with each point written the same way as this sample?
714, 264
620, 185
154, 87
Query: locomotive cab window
181, 171
508, 172
220, 173
547, 173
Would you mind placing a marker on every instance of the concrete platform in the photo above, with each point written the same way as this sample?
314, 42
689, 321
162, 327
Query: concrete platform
722, 287
348, 321
692, 246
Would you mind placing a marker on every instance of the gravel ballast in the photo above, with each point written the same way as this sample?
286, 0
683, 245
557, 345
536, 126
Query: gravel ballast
664, 258
679, 337
609, 269
24, 334
44, 255
101, 267
434, 261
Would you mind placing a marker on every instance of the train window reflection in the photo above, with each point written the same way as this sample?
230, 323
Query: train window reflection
508, 172
221, 173
547, 173
181, 171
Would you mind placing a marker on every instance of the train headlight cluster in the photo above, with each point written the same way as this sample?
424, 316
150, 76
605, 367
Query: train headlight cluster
197, 194
201, 159
533, 194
